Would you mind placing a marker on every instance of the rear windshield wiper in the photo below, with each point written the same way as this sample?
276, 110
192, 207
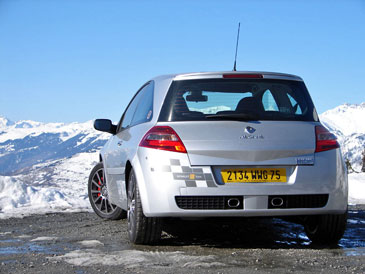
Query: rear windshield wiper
234, 116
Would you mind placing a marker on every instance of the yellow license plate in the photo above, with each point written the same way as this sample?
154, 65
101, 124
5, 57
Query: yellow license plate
254, 175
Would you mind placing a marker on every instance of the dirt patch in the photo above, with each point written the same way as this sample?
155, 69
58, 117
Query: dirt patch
83, 243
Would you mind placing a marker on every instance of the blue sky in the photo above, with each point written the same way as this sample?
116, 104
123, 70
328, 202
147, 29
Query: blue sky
64, 61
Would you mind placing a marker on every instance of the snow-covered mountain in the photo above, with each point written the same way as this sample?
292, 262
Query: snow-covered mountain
347, 123
44, 167
211, 110
27, 143
5, 122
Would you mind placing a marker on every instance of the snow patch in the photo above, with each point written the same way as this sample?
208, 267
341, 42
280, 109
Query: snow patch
357, 188
24, 236
91, 243
20, 199
138, 259
44, 239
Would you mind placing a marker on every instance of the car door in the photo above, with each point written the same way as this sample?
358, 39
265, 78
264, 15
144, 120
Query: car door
123, 145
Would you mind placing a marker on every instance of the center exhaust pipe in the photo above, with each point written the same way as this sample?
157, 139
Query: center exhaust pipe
233, 202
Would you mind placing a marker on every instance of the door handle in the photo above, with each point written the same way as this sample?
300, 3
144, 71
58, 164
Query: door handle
120, 143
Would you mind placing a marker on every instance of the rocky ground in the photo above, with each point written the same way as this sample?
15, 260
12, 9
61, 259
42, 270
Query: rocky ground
83, 243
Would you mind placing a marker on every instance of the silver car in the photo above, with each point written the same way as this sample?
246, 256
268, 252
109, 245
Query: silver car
220, 144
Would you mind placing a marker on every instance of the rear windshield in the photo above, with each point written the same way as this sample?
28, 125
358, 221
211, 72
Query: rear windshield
238, 99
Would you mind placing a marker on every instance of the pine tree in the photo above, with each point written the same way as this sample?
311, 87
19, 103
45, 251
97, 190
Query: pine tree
348, 166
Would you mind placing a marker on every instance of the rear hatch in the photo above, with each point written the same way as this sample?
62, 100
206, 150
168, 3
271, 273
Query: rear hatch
243, 119
230, 143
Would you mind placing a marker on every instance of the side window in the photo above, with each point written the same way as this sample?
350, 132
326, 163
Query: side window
269, 102
295, 105
135, 105
128, 115
144, 108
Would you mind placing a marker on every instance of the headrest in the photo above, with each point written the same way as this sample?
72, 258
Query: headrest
248, 105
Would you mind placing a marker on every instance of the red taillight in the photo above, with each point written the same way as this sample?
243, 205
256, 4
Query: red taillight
325, 140
164, 138
243, 76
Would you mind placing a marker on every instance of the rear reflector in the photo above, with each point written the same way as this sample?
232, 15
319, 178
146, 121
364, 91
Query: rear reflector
164, 138
243, 76
325, 140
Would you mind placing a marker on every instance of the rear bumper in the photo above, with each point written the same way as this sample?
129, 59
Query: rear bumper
164, 178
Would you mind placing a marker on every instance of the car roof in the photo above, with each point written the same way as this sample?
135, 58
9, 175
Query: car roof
219, 74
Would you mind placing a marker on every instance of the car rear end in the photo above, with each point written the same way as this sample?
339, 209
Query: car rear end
240, 144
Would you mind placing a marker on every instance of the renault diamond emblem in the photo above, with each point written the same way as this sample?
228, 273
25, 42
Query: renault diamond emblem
250, 130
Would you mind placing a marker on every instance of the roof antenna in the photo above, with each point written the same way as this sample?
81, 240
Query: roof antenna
238, 37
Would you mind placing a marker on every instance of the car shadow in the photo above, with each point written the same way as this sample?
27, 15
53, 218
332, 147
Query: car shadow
271, 233
234, 233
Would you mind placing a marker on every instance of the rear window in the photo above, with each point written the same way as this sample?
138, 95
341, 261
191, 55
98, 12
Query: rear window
238, 99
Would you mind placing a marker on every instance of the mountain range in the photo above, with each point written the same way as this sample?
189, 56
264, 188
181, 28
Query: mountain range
347, 123
25, 144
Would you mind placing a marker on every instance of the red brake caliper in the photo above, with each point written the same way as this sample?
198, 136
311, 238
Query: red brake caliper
99, 189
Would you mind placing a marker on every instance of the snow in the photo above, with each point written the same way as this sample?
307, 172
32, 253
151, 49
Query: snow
211, 110
4, 122
23, 236
18, 199
41, 239
91, 243
135, 259
346, 118
53, 184
21, 129
347, 123
357, 188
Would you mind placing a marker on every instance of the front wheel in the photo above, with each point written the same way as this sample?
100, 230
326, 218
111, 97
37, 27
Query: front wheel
141, 229
325, 229
99, 197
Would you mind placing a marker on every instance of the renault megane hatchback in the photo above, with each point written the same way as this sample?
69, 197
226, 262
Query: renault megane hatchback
220, 144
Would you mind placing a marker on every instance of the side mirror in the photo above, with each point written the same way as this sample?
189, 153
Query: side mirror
105, 125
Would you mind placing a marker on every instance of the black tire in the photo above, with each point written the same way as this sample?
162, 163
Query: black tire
325, 229
141, 229
98, 196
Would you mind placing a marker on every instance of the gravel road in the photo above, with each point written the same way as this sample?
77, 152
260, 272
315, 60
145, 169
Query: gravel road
83, 243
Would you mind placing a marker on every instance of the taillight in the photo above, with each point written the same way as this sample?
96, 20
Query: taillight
243, 75
325, 140
164, 138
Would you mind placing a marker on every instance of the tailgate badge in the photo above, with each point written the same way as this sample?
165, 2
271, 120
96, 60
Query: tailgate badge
249, 136
305, 160
250, 130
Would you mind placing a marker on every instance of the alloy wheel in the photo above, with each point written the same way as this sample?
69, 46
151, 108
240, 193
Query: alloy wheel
99, 193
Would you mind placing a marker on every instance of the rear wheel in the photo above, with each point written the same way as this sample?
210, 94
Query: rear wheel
325, 229
99, 197
141, 229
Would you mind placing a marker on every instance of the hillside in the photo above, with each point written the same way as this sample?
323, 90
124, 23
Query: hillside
347, 123
27, 143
